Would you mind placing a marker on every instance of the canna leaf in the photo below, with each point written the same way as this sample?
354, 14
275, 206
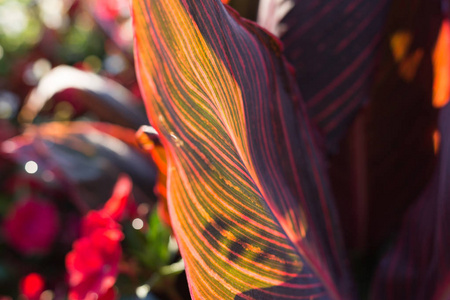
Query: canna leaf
332, 45
84, 157
372, 57
418, 266
84, 91
394, 135
247, 193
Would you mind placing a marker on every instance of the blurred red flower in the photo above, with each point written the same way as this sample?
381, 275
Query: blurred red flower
116, 206
93, 264
113, 210
31, 286
109, 295
97, 221
111, 9
31, 225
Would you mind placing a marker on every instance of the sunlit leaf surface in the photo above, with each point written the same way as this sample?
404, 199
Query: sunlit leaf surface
248, 198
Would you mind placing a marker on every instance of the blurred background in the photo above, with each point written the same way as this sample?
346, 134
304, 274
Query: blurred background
70, 150
69, 111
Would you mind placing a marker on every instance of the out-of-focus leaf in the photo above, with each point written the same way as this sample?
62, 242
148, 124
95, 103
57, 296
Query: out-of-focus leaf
85, 91
150, 296
9, 106
7, 130
155, 252
148, 139
389, 155
332, 46
248, 197
89, 155
171, 275
418, 266
350, 53
441, 66
246, 8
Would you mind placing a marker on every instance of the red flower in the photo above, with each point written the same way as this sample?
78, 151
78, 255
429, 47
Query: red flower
111, 9
97, 220
32, 286
115, 207
93, 264
31, 226
109, 295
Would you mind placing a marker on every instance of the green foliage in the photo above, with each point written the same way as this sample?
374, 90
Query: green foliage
151, 245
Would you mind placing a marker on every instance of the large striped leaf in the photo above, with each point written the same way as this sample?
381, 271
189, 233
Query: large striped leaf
391, 155
418, 266
332, 45
347, 53
249, 200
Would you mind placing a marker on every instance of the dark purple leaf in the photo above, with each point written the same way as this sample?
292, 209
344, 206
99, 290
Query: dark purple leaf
418, 266
390, 154
84, 92
88, 157
332, 46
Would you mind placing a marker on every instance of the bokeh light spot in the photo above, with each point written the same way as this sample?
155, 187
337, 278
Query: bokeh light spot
137, 224
31, 167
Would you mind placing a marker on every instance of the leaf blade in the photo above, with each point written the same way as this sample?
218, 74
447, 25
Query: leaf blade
249, 220
418, 266
332, 46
